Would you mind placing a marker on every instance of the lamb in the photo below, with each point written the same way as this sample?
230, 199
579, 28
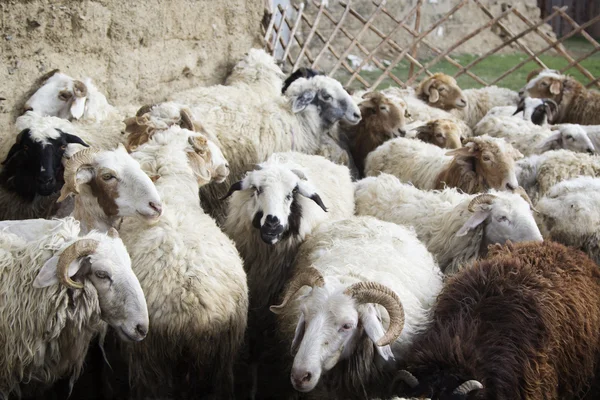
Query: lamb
483, 163
576, 104
529, 138
444, 133
59, 291
270, 213
344, 345
456, 227
569, 214
522, 324
294, 122
32, 173
382, 119
192, 275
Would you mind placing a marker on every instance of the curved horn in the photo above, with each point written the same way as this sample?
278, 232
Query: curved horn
144, 109
467, 387
307, 277
408, 378
521, 192
80, 248
485, 198
79, 89
373, 292
186, 120
82, 157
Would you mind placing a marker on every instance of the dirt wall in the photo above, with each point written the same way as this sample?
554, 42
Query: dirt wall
136, 51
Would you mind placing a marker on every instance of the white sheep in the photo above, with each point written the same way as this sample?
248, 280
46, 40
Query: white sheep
539, 111
530, 139
480, 101
372, 285
192, 275
57, 289
484, 162
569, 213
455, 227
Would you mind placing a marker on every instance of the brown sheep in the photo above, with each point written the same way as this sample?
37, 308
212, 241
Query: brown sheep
381, 120
441, 91
576, 104
443, 133
522, 324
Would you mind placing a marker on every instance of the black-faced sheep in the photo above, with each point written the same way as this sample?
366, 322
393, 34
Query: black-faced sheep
522, 324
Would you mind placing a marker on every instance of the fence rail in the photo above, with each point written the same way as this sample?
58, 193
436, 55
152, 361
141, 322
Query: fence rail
294, 36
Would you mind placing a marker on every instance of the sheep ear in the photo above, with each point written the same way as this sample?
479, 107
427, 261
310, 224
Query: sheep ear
78, 107
476, 219
300, 174
434, 95
374, 329
298, 335
465, 151
422, 132
306, 190
552, 142
555, 87
302, 101
47, 275
235, 187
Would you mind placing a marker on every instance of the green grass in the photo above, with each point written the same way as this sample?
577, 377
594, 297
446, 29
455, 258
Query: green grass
493, 66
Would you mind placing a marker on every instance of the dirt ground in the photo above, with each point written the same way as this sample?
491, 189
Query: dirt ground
136, 51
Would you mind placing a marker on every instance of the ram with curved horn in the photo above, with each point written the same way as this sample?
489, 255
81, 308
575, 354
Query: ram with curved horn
371, 284
523, 323
456, 227
64, 288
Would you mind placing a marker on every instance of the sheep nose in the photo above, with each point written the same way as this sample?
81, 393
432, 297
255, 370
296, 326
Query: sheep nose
356, 115
142, 330
301, 378
28, 108
156, 207
44, 180
510, 186
271, 221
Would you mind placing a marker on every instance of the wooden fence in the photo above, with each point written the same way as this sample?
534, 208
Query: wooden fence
298, 38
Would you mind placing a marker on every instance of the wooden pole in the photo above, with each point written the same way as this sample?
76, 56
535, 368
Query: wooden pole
411, 71
309, 37
293, 32
333, 34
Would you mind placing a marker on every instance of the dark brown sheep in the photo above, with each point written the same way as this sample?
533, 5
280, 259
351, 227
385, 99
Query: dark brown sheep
382, 119
522, 324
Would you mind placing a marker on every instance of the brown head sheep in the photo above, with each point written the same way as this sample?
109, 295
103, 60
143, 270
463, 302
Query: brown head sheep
444, 133
441, 91
522, 324
576, 104
382, 119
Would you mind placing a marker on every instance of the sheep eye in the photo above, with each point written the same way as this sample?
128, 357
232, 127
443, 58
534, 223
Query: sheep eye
326, 97
295, 190
441, 89
502, 219
543, 84
25, 147
101, 274
569, 137
346, 327
439, 135
384, 108
486, 158
108, 177
64, 95
63, 147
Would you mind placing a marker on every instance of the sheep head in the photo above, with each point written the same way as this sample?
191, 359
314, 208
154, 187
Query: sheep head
275, 197
548, 84
333, 320
484, 162
569, 137
443, 133
102, 259
115, 180
59, 96
441, 91
538, 111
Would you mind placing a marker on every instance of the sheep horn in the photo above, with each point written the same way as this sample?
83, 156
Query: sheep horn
186, 120
521, 192
112, 232
80, 248
79, 159
307, 277
374, 292
79, 89
144, 109
467, 387
485, 198
408, 378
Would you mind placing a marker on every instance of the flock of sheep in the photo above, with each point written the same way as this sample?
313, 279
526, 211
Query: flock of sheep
281, 239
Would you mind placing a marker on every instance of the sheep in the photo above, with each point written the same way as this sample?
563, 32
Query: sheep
529, 138
270, 213
576, 104
32, 173
192, 275
255, 78
382, 119
538, 174
441, 91
302, 72
522, 324
59, 291
484, 162
480, 101
294, 122
569, 214
455, 227
539, 111
344, 345
444, 133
